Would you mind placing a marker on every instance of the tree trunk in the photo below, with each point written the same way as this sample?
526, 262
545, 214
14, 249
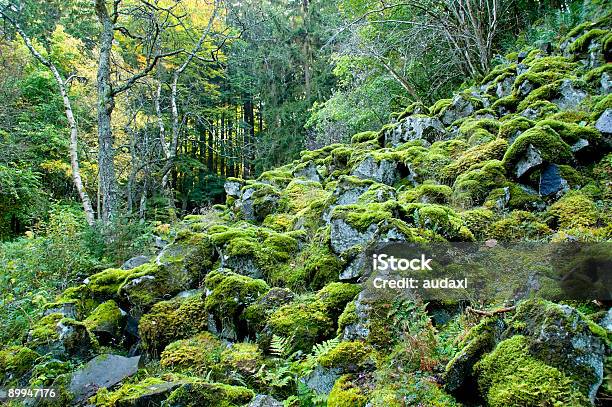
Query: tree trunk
74, 130
106, 104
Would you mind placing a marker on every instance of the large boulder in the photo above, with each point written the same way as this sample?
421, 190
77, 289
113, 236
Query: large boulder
604, 125
461, 106
344, 236
417, 127
569, 95
551, 181
101, 371
384, 171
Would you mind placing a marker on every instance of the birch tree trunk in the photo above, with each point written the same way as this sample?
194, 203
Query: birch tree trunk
74, 131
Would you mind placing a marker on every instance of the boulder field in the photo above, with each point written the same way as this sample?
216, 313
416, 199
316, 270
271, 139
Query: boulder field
259, 301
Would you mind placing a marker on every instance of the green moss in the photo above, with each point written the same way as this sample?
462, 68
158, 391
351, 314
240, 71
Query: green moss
499, 73
279, 222
304, 321
472, 187
519, 198
574, 209
571, 132
209, 395
244, 358
276, 177
197, 354
314, 267
127, 394
506, 104
45, 373
442, 220
600, 105
427, 193
364, 136
510, 376
493, 150
346, 394
15, 361
361, 217
519, 225
107, 317
348, 356
105, 285
301, 193
478, 221
594, 75
45, 329
334, 297
230, 293
581, 44
543, 93
257, 314
348, 317
439, 106
171, 320
512, 127
548, 142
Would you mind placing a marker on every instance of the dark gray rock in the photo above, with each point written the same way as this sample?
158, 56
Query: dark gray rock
551, 182
383, 171
242, 265
263, 400
135, 262
570, 96
459, 108
232, 188
343, 236
101, 371
309, 171
504, 87
531, 161
411, 128
322, 379
604, 125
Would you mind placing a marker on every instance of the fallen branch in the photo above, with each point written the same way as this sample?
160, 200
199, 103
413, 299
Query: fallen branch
490, 313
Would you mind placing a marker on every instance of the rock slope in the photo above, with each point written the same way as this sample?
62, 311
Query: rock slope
258, 301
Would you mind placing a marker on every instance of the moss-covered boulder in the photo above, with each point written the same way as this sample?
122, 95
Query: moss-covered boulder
509, 376
198, 354
62, 337
170, 320
106, 322
15, 361
563, 338
209, 394
347, 393
228, 295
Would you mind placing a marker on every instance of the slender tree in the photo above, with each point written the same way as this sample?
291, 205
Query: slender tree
74, 131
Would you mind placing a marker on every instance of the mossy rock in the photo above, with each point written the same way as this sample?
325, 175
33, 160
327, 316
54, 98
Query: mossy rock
168, 321
440, 219
15, 361
479, 340
209, 394
493, 150
63, 337
346, 393
257, 314
105, 285
548, 143
563, 338
305, 321
334, 297
229, 294
427, 193
574, 209
149, 391
512, 127
518, 225
244, 358
106, 322
198, 354
509, 376
472, 187
350, 357
478, 221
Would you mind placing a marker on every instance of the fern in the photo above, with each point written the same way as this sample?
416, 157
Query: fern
280, 347
324, 347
